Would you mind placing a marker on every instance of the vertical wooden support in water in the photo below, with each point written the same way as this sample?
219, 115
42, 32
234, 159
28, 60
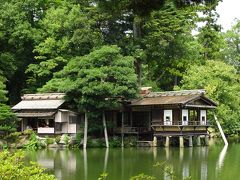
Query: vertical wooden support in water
85, 131
181, 142
167, 141
206, 140
198, 141
122, 130
154, 141
190, 141
105, 130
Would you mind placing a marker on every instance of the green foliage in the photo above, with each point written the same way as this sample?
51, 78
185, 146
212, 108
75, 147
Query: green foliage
115, 142
232, 49
91, 142
49, 140
13, 137
142, 176
13, 167
33, 143
66, 139
79, 138
169, 44
57, 139
28, 132
99, 80
221, 82
130, 141
8, 119
103, 176
67, 30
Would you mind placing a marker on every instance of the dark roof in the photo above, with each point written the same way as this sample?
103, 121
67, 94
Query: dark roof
173, 98
24, 113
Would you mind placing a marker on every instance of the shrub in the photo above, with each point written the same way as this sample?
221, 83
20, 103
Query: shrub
66, 139
115, 142
49, 140
33, 143
28, 132
57, 139
13, 167
13, 137
79, 137
130, 141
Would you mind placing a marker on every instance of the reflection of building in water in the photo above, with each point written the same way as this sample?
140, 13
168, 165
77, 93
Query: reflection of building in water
185, 171
59, 160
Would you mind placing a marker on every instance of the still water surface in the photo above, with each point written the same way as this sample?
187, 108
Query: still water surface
213, 163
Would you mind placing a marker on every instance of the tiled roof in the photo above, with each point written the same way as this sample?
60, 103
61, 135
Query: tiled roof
170, 98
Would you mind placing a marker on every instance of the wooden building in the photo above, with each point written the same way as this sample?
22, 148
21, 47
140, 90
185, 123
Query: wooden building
168, 114
47, 114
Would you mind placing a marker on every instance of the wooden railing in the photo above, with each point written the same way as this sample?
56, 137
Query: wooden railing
180, 123
129, 129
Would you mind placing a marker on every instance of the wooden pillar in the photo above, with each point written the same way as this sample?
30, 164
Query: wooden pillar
181, 142
154, 141
190, 141
122, 130
131, 118
85, 132
198, 141
149, 121
105, 130
167, 141
206, 140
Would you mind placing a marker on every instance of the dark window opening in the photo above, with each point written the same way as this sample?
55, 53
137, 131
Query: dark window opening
167, 118
184, 118
72, 119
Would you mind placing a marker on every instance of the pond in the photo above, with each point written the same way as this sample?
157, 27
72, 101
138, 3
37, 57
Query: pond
212, 162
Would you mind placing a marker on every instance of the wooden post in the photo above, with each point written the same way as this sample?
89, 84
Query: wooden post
181, 142
122, 133
190, 141
85, 131
154, 141
221, 130
167, 141
198, 141
105, 130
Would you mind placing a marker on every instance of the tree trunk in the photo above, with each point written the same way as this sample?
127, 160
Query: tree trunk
85, 132
122, 133
137, 35
105, 130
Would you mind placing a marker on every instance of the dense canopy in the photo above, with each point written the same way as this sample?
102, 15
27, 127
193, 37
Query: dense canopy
103, 51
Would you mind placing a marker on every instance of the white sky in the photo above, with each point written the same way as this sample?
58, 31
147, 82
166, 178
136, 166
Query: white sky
228, 11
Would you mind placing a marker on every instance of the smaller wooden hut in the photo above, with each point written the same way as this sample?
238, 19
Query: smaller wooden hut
47, 114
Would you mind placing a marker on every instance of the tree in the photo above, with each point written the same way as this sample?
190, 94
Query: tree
67, 30
232, 49
169, 44
126, 21
8, 119
209, 35
98, 81
221, 82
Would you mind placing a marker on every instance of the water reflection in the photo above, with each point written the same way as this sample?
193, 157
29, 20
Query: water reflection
221, 158
198, 162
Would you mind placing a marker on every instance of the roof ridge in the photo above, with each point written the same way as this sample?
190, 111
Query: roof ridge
176, 93
43, 96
